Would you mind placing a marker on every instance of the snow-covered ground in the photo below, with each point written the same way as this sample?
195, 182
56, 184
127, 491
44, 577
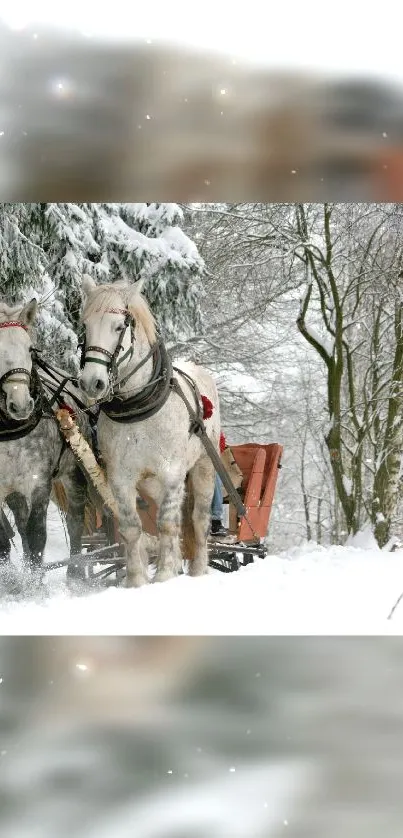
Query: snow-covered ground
306, 590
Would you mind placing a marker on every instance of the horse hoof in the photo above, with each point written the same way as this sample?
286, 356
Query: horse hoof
194, 571
10, 581
135, 581
75, 577
76, 585
37, 583
164, 576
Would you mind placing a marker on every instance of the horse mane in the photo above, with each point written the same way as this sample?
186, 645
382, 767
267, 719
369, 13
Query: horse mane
111, 294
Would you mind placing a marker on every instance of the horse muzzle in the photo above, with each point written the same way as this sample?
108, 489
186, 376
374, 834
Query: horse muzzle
19, 408
19, 403
94, 386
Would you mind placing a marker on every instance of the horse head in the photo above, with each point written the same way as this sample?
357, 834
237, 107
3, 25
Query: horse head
15, 359
113, 315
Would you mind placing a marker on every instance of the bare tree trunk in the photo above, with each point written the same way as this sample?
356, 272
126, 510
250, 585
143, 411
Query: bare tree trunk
305, 493
386, 482
333, 358
319, 521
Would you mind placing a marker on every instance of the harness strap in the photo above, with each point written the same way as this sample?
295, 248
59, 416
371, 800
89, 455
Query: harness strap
137, 367
12, 323
46, 367
198, 427
193, 386
144, 405
89, 359
112, 363
16, 370
57, 393
101, 350
97, 360
56, 469
127, 354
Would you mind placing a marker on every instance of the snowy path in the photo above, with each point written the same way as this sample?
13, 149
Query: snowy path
308, 590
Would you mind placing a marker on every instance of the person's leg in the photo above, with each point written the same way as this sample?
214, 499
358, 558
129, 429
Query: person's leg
217, 502
217, 509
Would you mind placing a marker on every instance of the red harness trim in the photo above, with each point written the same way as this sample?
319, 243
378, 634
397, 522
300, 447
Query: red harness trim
69, 409
208, 407
13, 323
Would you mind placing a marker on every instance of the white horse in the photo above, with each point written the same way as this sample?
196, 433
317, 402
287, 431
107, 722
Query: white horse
32, 450
144, 427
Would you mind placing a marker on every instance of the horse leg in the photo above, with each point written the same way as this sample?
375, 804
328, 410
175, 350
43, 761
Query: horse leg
169, 522
131, 530
202, 480
76, 491
36, 528
5, 543
19, 507
10, 582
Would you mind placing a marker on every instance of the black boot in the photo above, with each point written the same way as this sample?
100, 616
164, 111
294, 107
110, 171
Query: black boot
217, 528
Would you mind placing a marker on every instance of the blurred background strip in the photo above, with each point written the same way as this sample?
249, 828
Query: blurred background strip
249, 737
160, 107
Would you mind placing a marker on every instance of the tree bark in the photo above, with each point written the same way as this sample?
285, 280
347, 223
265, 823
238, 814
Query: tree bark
386, 482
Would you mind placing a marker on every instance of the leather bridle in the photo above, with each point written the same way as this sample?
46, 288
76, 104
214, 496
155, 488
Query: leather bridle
112, 362
8, 376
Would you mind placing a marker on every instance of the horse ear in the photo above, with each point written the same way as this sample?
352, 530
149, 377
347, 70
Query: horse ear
28, 313
88, 284
138, 286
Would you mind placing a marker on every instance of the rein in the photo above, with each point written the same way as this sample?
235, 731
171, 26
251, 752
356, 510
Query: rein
198, 427
61, 387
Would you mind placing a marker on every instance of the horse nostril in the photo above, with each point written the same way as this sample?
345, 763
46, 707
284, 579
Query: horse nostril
83, 384
19, 410
99, 384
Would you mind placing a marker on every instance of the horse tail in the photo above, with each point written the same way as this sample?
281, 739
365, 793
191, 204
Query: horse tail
59, 497
188, 542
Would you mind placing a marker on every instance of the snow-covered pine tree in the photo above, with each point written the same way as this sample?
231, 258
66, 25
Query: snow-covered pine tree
71, 251
146, 241
23, 264
45, 248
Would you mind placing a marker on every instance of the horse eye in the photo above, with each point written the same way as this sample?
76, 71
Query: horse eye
119, 328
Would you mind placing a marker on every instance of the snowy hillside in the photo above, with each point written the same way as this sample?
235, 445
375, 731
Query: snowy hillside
304, 590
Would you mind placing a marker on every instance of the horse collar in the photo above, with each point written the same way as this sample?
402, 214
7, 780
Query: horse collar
152, 396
